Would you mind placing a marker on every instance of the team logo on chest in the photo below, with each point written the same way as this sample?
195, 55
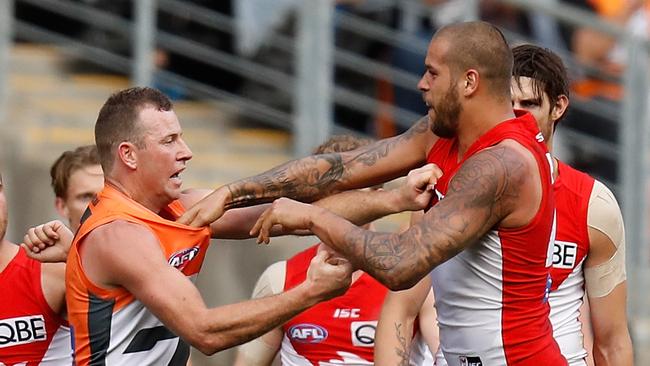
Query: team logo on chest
181, 258
22, 330
363, 333
307, 333
564, 254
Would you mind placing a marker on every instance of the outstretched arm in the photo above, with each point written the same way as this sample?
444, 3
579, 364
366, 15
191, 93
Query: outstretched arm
368, 205
488, 189
317, 176
169, 295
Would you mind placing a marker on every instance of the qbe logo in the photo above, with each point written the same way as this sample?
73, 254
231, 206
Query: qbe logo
181, 258
363, 333
307, 333
564, 254
22, 330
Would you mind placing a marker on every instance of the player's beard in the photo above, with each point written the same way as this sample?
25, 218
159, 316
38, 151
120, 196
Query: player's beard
447, 113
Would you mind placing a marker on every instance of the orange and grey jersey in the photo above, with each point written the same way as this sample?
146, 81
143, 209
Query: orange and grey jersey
110, 326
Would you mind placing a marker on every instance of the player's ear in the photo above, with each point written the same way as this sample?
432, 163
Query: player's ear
470, 81
61, 207
560, 107
127, 153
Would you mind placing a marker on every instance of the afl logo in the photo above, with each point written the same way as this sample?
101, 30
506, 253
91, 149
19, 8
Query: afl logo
181, 258
307, 333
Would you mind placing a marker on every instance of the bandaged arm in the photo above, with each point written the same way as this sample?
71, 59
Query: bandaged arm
604, 216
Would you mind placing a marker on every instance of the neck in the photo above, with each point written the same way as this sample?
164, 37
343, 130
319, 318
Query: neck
8, 251
136, 193
478, 118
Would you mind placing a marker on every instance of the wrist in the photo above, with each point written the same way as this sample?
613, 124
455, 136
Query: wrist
307, 294
395, 202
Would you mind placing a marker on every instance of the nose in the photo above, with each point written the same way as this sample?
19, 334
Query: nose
422, 84
185, 152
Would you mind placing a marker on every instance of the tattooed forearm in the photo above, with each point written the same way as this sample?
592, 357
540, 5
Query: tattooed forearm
304, 179
479, 196
402, 350
373, 153
316, 176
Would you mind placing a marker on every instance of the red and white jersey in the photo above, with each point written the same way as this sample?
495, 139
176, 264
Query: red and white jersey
340, 331
31, 333
492, 298
572, 193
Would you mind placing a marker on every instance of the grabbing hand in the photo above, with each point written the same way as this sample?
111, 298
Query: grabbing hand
328, 276
206, 211
292, 215
416, 192
49, 242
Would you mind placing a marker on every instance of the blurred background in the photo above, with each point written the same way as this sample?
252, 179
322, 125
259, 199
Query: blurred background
259, 82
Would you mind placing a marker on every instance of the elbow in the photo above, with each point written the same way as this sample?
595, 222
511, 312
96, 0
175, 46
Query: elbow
206, 341
204, 344
395, 282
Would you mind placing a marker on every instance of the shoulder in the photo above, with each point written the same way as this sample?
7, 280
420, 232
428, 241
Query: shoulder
117, 237
496, 166
604, 214
271, 281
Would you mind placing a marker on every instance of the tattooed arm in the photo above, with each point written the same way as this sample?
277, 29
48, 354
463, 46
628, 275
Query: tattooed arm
317, 176
497, 186
396, 322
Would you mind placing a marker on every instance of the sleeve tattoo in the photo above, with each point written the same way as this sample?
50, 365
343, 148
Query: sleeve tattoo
315, 176
477, 199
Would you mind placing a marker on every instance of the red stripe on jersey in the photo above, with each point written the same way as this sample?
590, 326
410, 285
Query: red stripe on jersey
27, 322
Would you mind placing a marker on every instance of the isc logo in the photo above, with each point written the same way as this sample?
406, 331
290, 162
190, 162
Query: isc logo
181, 258
307, 333
564, 254
347, 313
22, 330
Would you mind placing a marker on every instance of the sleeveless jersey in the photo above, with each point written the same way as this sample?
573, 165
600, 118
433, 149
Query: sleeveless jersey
492, 298
31, 333
340, 331
110, 326
572, 192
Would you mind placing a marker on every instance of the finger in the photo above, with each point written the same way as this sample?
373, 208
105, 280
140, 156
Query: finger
33, 238
258, 224
266, 227
42, 236
50, 231
187, 217
320, 257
